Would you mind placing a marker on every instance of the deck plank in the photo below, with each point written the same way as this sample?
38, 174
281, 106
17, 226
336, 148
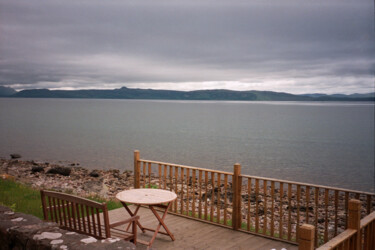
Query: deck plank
191, 234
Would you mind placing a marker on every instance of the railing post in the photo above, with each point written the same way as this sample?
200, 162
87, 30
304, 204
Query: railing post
306, 237
355, 220
137, 169
236, 186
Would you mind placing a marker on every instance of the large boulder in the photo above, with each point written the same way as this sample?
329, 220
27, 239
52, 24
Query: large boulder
65, 171
96, 187
15, 156
37, 169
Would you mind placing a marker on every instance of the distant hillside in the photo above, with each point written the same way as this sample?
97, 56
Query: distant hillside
356, 95
218, 94
5, 91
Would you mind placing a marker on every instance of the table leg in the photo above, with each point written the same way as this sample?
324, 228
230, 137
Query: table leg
161, 223
133, 214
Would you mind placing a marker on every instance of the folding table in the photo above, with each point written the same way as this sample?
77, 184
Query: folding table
151, 198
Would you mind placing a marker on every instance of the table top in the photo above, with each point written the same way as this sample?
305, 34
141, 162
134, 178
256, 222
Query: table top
146, 196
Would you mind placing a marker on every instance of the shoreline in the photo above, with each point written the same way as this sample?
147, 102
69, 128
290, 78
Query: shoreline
71, 179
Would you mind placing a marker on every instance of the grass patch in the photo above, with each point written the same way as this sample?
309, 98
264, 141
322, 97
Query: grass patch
20, 198
111, 204
153, 186
25, 199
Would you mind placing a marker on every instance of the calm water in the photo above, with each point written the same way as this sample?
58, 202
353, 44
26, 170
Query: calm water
322, 143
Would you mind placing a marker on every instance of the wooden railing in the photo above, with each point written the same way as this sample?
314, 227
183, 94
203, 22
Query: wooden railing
264, 206
360, 234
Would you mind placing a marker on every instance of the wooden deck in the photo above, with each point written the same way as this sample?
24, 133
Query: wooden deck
191, 234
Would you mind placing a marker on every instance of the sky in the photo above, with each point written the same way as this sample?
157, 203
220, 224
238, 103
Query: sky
295, 46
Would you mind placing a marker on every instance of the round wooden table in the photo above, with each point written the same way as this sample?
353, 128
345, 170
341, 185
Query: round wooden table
152, 198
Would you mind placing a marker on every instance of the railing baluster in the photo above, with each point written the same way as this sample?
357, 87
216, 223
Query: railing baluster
88, 219
281, 189
93, 220
165, 177
218, 198
144, 174
336, 208
187, 191
149, 175
307, 203
256, 206
159, 170
212, 196
316, 215
200, 194
176, 187
225, 198
289, 211
205, 195
55, 211
346, 208
272, 207
78, 217
99, 224
171, 186
170, 181
298, 207
74, 216
50, 210
63, 212
326, 204
59, 211
239, 202
248, 203
265, 207
82, 217
368, 205
182, 191
193, 176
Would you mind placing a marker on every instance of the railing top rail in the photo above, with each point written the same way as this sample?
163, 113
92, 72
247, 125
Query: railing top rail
307, 184
367, 220
183, 166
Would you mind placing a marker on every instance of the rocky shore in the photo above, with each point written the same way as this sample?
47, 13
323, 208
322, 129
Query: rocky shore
72, 179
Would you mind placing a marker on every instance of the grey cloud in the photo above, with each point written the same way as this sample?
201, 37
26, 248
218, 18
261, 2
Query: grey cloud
125, 43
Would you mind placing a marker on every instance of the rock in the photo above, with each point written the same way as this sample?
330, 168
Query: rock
37, 169
65, 171
33, 233
94, 173
260, 211
15, 156
96, 187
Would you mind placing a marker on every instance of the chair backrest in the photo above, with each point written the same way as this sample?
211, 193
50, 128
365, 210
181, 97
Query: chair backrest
77, 214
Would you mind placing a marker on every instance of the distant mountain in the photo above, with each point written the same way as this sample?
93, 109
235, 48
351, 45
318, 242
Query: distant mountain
356, 95
5, 91
217, 94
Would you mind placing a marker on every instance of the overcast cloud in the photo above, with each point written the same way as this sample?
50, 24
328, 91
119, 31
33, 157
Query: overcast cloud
302, 46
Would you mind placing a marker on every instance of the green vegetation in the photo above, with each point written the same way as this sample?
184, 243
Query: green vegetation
24, 199
20, 198
152, 186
